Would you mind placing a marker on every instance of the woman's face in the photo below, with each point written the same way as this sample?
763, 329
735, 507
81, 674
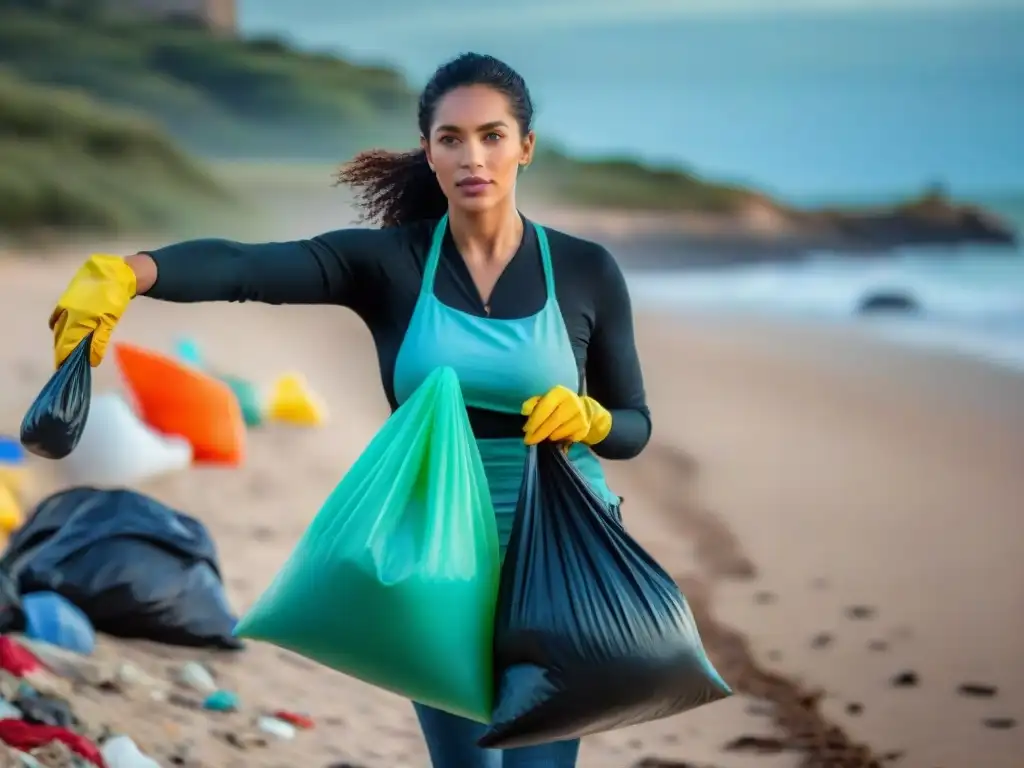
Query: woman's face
475, 147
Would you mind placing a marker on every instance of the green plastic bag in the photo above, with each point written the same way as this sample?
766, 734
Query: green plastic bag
395, 581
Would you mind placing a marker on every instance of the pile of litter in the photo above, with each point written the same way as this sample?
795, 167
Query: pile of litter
40, 727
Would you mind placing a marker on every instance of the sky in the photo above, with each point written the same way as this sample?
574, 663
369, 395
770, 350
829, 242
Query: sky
801, 96
315, 20
266, 14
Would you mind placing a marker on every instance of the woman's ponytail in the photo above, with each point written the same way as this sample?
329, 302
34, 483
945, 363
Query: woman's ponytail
394, 188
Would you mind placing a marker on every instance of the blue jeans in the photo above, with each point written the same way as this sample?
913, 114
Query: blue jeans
451, 741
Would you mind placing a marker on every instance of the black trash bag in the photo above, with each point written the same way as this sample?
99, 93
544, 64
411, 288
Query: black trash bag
591, 633
40, 709
55, 421
135, 567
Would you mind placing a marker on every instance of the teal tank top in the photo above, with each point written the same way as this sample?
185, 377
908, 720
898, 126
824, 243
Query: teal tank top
500, 364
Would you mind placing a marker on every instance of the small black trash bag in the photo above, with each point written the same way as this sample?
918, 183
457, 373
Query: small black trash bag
55, 421
591, 633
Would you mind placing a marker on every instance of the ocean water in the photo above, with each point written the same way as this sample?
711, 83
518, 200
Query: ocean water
971, 298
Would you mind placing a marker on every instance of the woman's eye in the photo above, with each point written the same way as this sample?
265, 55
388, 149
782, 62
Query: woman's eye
493, 136
447, 140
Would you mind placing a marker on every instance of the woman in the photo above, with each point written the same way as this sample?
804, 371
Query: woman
455, 276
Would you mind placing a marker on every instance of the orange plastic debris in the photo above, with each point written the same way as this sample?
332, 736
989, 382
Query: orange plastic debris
177, 399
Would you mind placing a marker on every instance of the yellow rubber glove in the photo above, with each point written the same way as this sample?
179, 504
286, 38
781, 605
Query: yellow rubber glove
563, 416
94, 301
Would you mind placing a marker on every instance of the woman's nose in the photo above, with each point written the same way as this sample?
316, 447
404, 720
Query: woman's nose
472, 154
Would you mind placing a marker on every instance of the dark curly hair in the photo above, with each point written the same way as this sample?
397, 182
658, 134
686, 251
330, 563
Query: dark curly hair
394, 188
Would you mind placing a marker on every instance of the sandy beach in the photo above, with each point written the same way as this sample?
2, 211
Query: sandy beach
844, 515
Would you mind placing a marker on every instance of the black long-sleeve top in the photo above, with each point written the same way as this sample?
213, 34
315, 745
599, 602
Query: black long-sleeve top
378, 272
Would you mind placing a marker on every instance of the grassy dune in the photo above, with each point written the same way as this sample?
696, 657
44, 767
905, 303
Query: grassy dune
68, 162
82, 160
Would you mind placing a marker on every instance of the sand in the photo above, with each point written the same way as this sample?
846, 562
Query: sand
841, 513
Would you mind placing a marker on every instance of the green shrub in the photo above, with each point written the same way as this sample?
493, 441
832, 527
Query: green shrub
68, 162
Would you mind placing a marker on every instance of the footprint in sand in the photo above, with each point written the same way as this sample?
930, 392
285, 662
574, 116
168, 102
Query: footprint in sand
860, 612
854, 708
757, 745
764, 598
821, 640
878, 646
905, 680
977, 690
262, 533
999, 723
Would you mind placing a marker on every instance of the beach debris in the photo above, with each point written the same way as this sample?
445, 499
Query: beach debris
118, 449
860, 612
45, 710
128, 678
279, 729
292, 402
56, 754
758, 745
907, 679
14, 474
188, 351
977, 690
878, 645
53, 619
179, 400
302, 722
854, 708
661, 762
242, 741
29, 737
9, 711
39, 727
11, 514
196, 677
221, 701
821, 640
1000, 723
764, 597
15, 659
125, 528
249, 398
122, 752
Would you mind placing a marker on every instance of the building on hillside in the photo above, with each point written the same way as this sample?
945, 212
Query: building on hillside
217, 15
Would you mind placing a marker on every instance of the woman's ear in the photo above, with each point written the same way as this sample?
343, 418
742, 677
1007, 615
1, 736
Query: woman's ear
529, 145
425, 146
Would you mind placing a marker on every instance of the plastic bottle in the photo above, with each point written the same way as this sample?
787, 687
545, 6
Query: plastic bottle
122, 752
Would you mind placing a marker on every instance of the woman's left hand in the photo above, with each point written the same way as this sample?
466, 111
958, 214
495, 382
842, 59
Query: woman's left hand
561, 415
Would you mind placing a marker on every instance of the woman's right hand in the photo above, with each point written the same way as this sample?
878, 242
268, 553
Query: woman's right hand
93, 302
